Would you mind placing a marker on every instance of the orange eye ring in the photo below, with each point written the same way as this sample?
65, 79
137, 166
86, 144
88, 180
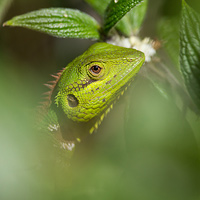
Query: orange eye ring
95, 70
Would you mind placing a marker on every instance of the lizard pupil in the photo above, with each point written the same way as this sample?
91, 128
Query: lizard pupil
95, 69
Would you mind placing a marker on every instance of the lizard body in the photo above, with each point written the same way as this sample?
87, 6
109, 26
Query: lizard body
87, 88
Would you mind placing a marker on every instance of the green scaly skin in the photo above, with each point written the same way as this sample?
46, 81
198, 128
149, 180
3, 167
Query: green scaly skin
88, 87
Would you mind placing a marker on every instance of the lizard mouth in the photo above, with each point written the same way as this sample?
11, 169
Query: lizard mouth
125, 75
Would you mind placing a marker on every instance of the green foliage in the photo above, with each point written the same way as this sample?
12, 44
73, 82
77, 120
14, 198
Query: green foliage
168, 29
99, 6
116, 10
190, 51
129, 24
132, 21
156, 129
59, 22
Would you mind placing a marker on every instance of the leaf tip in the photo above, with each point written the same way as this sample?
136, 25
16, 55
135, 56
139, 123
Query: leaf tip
184, 4
8, 23
4, 24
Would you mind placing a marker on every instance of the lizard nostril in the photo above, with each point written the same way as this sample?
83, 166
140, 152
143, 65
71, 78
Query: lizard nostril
72, 100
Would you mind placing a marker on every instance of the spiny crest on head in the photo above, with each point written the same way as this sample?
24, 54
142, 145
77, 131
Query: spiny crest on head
43, 107
51, 85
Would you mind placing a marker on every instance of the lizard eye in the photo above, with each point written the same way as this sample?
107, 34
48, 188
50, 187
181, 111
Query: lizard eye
95, 70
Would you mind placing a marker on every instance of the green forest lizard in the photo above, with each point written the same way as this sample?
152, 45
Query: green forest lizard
83, 93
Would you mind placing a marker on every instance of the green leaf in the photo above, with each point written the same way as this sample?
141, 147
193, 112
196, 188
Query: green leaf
131, 22
59, 22
116, 10
190, 51
99, 6
168, 31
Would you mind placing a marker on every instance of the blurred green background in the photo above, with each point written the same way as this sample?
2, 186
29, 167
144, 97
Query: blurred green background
145, 148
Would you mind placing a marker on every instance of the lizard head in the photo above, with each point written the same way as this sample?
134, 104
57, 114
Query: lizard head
90, 83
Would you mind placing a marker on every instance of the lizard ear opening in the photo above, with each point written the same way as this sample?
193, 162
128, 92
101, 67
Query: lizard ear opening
72, 100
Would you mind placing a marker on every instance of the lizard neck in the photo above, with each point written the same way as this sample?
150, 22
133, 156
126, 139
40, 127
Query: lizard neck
73, 131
